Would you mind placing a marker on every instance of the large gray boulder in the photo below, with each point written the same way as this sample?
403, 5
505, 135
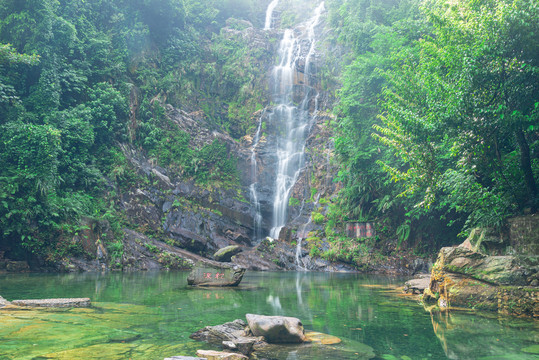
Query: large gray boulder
276, 329
230, 335
225, 332
417, 285
225, 254
212, 273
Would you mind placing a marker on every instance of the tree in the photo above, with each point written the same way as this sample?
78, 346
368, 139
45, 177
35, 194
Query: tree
9, 56
458, 110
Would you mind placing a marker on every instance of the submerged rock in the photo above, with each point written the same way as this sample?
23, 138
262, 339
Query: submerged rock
321, 338
357, 351
184, 358
212, 273
276, 329
225, 254
55, 303
220, 355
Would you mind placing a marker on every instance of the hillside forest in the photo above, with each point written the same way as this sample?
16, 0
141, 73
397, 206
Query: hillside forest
434, 110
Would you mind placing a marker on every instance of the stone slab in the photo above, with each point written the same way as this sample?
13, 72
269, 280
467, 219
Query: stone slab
215, 274
55, 303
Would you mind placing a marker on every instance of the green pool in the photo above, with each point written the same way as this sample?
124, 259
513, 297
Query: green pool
151, 315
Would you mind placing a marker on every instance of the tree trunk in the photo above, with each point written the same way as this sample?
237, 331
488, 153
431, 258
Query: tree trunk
525, 164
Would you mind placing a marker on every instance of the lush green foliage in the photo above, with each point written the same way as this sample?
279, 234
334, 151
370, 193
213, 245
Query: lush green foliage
77, 78
461, 109
438, 110
438, 113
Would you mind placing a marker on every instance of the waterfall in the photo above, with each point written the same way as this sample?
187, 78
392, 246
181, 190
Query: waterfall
252, 187
294, 121
269, 14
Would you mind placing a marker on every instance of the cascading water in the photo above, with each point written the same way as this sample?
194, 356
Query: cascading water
293, 121
269, 14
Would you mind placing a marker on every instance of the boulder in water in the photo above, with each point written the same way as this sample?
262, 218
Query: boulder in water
229, 331
276, 329
212, 273
230, 335
417, 285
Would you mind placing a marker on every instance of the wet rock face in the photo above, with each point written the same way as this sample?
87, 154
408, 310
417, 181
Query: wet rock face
198, 219
276, 329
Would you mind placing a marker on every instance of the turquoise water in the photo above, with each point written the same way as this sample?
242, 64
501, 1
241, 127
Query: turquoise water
151, 315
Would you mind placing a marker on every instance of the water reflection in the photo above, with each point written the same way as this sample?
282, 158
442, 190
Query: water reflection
484, 336
154, 314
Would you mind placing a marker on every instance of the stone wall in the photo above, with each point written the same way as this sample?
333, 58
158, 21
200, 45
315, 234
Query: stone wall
524, 234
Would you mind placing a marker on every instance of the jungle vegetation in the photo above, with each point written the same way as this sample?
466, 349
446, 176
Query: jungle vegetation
437, 108
439, 114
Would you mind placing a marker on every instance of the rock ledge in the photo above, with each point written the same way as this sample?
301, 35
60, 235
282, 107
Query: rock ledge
54, 303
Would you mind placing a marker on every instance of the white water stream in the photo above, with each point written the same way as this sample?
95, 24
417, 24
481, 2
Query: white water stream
269, 14
294, 118
252, 187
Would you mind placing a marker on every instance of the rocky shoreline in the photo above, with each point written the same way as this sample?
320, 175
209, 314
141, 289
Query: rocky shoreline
480, 274
264, 336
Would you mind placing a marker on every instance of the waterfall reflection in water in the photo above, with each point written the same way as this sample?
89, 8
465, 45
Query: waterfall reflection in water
151, 315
